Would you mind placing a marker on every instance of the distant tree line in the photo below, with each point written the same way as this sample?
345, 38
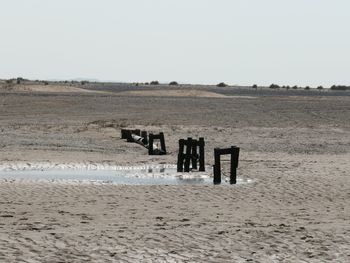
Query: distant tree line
20, 80
275, 86
340, 87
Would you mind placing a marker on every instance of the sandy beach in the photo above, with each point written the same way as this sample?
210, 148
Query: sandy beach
295, 148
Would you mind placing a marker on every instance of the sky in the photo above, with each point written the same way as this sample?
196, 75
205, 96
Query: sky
239, 42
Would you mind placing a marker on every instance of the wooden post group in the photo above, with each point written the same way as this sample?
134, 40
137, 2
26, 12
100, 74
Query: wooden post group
160, 137
234, 152
126, 134
191, 151
191, 155
147, 140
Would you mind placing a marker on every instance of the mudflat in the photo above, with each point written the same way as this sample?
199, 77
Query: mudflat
295, 147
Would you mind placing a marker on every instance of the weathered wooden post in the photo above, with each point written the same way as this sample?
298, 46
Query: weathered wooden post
217, 166
137, 132
188, 155
194, 154
150, 143
129, 136
234, 164
234, 152
124, 134
180, 157
151, 147
201, 155
162, 142
144, 136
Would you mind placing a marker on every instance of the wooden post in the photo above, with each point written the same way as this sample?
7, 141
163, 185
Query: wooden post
188, 155
233, 171
180, 156
194, 155
137, 132
124, 134
201, 155
217, 167
234, 164
128, 136
162, 142
150, 144
144, 136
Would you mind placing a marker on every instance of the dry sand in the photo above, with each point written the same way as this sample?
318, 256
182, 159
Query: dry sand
173, 93
296, 149
37, 88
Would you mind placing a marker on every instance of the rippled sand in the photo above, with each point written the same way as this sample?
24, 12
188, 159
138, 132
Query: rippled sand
297, 150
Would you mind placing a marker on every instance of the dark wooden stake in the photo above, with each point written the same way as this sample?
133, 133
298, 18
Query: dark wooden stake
150, 144
217, 166
194, 154
162, 142
180, 157
234, 152
145, 137
201, 155
234, 164
188, 155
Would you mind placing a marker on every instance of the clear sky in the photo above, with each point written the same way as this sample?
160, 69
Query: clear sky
303, 42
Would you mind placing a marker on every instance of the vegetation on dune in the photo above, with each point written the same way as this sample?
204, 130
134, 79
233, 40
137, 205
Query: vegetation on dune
274, 86
222, 84
154, 82
340, 87
173, 83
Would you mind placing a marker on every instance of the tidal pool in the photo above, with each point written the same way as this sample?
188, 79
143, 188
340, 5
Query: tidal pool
123, 175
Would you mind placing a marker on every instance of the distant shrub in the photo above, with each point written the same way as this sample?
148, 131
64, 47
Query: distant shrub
307, 88
84, 82
274, 86
295, 87
46, 83
173, 83
221, 85
255, 86
285, 87
9, 81
19, 80
155, 82
146, 83
319, 87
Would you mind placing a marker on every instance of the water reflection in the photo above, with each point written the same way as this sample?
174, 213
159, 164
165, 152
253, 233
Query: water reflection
131, 175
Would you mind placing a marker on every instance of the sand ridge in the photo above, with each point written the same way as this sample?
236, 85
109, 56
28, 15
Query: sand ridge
173, 93
46, 88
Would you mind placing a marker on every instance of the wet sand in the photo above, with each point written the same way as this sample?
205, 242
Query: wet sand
296, 148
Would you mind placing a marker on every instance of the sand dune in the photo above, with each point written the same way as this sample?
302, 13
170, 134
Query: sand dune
47, 89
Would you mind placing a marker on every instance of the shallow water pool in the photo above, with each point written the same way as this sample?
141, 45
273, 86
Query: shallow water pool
127, 175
